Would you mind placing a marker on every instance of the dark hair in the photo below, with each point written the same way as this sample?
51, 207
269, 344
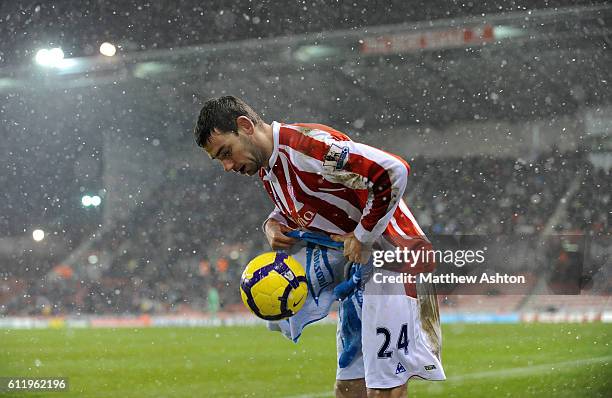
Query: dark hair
221, 114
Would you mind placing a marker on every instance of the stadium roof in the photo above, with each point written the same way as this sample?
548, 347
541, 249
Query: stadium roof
523, 64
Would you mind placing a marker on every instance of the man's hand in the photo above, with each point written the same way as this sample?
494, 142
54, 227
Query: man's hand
352, 246
275, 233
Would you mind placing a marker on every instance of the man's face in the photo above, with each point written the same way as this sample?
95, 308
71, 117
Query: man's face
236, 152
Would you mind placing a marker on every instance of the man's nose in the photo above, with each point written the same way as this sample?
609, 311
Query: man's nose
227, 164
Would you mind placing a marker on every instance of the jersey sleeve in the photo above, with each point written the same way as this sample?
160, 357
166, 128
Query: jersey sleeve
383, 175
356, 166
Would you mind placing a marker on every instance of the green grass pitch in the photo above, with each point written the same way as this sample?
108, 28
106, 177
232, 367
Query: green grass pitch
540, 360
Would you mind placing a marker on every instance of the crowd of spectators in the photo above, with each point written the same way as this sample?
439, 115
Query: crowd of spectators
483, 195
194, 232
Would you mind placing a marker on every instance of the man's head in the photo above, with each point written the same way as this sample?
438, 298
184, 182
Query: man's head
231, 131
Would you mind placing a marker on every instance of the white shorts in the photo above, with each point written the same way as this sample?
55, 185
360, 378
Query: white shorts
401, 337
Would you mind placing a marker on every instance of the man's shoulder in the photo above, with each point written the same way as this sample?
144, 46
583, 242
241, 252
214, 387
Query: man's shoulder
316, 129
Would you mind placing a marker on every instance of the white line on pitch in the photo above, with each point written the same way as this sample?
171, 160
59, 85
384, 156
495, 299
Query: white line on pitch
528, 370
499, 373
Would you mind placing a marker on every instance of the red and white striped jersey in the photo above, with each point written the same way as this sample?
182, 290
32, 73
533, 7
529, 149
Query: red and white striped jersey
321, 181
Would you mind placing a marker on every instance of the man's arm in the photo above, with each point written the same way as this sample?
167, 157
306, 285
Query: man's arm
383, 175
386, 177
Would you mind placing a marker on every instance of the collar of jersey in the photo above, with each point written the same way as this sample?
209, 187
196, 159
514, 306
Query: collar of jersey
275, 131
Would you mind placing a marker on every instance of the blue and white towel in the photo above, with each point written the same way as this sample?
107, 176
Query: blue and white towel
325, 267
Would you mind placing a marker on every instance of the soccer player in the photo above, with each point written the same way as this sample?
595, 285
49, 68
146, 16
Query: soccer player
321, 181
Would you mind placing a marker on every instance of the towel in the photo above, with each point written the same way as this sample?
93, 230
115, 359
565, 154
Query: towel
326, 268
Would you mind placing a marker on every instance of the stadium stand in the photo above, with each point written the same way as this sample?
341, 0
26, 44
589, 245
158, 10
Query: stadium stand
158, 262
158, 244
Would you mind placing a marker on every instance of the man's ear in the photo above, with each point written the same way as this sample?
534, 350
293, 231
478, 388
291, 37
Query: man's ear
245, 124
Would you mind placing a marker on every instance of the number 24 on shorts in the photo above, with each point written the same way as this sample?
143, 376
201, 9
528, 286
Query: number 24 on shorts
402, 341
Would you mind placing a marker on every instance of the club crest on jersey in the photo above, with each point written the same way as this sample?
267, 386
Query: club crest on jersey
336, 157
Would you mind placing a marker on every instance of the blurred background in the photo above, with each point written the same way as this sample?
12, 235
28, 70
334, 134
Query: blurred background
108, 208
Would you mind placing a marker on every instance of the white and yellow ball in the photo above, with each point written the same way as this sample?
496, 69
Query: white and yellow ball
273, 286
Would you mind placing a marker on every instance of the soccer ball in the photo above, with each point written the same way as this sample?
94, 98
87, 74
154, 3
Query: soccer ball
273, 286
